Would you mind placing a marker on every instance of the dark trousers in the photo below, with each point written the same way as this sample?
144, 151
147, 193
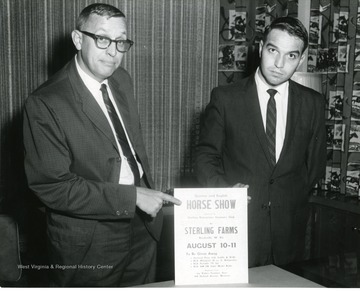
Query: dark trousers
117, 254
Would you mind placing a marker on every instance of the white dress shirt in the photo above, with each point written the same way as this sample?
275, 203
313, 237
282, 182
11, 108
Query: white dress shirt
281, 99
126, 175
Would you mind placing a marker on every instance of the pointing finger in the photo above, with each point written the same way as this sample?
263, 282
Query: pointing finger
168, 198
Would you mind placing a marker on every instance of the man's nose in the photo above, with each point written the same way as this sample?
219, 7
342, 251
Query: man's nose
111, 50
279, 61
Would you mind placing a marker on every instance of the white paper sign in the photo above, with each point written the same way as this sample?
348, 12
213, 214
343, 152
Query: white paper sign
211, 236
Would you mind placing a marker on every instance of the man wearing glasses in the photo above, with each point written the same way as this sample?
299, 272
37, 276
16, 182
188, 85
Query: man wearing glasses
86, 161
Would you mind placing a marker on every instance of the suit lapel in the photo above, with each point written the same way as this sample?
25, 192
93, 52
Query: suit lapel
255, 116
124, 102
123, 107
294, 108
89, 105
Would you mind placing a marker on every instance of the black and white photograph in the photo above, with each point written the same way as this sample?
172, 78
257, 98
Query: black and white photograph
180, 144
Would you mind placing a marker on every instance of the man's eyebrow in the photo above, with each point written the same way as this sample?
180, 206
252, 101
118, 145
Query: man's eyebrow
104, 34
270, 44
294, 52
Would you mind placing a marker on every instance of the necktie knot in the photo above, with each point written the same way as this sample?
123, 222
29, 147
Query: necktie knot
272, 92
103, 88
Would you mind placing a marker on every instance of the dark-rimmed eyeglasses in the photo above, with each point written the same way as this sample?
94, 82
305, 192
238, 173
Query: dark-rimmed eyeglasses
103, 42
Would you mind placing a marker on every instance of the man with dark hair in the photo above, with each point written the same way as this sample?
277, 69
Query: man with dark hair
267, 133
85, 159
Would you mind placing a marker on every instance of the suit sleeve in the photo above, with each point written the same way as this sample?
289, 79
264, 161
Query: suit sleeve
208, 162
48, 162
316, 155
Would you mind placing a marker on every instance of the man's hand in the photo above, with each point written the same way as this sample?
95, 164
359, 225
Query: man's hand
151, 201
239, 185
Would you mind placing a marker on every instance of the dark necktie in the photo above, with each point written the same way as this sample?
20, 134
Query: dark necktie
120, 134
271, 125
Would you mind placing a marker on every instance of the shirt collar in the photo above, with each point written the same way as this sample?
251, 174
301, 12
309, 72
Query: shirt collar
92, 84
263, 87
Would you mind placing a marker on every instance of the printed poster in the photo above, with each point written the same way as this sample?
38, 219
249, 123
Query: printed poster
210, 229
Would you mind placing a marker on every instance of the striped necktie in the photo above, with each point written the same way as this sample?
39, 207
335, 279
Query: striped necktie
271, 125
121, 136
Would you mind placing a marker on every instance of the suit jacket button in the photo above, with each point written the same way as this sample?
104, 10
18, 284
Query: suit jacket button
126, 212
272, 181
118, 213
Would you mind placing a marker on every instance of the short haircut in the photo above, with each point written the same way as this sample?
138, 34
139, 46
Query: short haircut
292, 26
98, 9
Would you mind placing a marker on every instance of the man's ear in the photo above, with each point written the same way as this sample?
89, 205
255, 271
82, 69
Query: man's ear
77, 39
260, 47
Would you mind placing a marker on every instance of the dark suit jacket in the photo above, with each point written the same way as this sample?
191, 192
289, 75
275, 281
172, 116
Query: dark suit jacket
233, 148
72, 161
